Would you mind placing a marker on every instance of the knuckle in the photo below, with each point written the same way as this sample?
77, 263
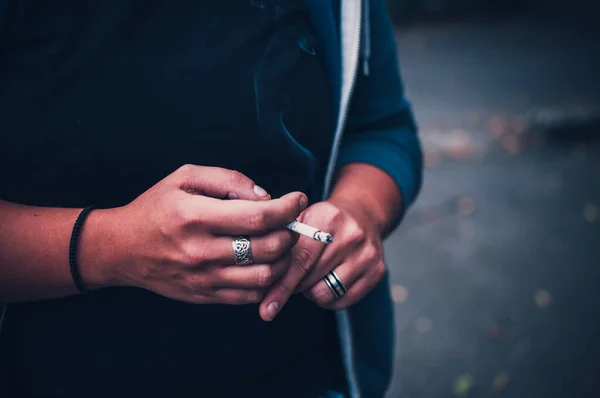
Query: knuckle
253, 296
380, 270
278, 270
277, 244
287, 291
336, 214
325, 212
272, 247
292, 210
321, 295
301, 259
185, 170
199, 286
256, 221
355, 233
181, 213
370, 253
191, 255
237, 179
281, 289
265, 277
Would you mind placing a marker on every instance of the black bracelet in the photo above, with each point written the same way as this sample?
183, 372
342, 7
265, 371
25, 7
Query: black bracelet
73, 249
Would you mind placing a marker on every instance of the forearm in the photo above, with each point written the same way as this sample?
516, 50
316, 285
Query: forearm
34, 247
371, 191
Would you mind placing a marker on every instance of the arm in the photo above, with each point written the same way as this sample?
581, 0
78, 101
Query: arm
381, 130
371, 191
379, 174
34, 245
174, 240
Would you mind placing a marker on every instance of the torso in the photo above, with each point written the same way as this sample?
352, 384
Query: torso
101, 101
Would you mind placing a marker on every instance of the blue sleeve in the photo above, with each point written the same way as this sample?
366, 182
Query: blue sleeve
380, 128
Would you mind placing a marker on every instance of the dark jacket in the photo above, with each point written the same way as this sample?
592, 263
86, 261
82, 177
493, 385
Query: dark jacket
375, 126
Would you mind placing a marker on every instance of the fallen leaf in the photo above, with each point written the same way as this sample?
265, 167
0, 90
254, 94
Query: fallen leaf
459, 144
463, 385
510, 144
466, 206
399, 293
498, 126
495, 332
461, 150
590, 212
542, 298
500, 382
423, 324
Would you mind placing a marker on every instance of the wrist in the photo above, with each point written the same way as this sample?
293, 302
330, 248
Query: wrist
99, 255
370, 192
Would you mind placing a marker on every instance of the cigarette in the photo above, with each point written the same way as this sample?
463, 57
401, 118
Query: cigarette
310, 232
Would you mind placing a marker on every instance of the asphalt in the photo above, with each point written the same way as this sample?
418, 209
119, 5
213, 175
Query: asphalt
484, 87
495, 267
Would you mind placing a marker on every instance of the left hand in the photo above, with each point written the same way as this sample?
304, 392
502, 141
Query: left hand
356, 256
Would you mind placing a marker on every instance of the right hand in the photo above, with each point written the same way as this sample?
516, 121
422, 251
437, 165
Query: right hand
176, 238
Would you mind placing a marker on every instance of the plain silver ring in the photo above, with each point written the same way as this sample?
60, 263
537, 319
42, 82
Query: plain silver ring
242, 250
335, 284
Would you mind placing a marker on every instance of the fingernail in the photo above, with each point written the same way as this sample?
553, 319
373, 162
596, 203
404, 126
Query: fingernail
259, 191
303, 201
272, 310
233, 195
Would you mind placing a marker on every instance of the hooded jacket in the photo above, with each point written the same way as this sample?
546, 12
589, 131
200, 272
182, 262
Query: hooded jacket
374, 126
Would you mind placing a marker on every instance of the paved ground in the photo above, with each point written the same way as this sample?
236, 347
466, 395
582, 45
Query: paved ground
496, 266
491, 86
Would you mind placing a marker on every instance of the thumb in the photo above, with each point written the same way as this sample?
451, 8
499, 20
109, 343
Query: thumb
218, 182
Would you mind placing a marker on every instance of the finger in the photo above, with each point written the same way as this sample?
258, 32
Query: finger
266, 248
218, 296
258, 276
217, 182
348, 273
335, 254
233, 296
242, 217
357, 290
303, 256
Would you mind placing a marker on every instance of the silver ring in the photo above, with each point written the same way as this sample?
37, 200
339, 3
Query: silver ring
242, 251
335, 284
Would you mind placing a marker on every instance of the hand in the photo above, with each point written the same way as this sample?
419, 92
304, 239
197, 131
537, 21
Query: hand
176, 238
356, 255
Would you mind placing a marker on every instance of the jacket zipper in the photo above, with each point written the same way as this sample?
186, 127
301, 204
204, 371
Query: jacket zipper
345, 102
342, 316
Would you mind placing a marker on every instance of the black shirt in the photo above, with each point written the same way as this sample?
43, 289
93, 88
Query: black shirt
102, 99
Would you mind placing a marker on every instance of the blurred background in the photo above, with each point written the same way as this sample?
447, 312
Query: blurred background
494, 269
